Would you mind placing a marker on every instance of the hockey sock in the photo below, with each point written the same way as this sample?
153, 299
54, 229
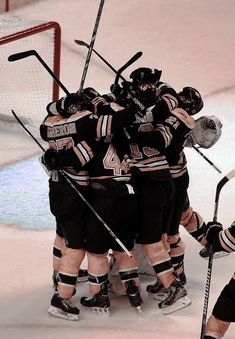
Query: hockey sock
177, 249
194, 224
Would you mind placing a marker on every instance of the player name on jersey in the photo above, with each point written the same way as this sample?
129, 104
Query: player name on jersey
61, 130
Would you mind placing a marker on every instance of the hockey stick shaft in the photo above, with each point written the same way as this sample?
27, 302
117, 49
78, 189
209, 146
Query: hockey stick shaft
142, 108
67, 178
219, 186
82, 43
32, 136
208, 160
88, 58
26, 54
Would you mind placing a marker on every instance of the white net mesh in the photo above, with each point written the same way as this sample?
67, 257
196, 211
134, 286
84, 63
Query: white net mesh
25, 85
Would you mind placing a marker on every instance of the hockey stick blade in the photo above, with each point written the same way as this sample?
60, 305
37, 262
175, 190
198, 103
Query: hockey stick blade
21, 55
81, 43
220, 185
33, 52
127, 64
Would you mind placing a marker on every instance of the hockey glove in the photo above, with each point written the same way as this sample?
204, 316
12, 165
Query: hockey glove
50, 159
119, 91
54, 160
212, 235
206, 132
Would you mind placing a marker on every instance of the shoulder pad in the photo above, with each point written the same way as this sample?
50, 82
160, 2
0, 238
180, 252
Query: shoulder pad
172, 101
183, 116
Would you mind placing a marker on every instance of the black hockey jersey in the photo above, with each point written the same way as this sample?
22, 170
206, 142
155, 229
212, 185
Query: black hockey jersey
106, 164
151, 146
166, 131
77, 137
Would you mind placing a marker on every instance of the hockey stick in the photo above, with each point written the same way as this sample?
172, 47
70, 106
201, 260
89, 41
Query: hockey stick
82, 43
220, 185
208, 160
31, 52
127, 64
88, 58
69, 181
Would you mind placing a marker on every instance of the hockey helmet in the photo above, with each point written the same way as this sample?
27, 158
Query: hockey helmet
70, 104
191, 100
145, 74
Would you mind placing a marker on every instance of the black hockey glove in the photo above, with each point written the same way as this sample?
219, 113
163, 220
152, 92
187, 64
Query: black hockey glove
212, 235
99, 102
54, 160
50, 159
119, 91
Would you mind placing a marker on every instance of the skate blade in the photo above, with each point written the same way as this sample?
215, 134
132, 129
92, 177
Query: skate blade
178, 305
57, 312
138, 309
99, 310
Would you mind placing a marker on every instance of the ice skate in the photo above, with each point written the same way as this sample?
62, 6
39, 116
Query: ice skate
205, 253
176, 299
157, 291
63, 308
99, 302
133, 294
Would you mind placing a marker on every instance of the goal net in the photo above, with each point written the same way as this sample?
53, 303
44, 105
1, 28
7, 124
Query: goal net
25, 85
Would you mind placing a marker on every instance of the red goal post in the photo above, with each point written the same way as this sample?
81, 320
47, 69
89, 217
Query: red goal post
25, 85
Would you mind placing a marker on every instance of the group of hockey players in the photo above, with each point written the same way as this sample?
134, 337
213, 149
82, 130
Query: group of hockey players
117, 159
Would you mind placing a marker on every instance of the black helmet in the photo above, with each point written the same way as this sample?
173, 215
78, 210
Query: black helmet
145, 74
90, 93
191, 100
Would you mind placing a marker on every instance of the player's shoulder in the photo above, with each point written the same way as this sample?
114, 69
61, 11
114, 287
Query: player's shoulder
184, 117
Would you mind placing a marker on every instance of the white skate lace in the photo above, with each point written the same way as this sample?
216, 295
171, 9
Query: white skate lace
68, 303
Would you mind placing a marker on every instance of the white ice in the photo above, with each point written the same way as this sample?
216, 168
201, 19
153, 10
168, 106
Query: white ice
193, 43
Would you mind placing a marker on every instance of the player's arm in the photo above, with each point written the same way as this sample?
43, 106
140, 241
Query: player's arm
76, 156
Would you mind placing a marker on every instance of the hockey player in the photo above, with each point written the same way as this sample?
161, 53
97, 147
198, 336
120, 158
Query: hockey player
146, 82
180, 177
72, 130
113, 196
223, 312
205, 134
150, 169
59, 129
